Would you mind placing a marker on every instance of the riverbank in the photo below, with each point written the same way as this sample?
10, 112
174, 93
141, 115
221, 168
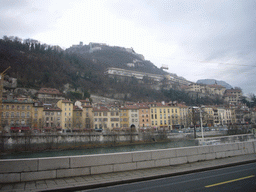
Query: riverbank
102, 148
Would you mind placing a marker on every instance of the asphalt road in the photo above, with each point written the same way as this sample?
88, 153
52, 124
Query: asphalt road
235, 179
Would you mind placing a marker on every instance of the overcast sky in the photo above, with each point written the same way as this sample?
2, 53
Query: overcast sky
211, 39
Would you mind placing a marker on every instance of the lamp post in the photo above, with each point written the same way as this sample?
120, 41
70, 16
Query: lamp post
201, 122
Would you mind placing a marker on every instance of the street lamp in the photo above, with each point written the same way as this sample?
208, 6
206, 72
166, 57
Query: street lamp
201, 122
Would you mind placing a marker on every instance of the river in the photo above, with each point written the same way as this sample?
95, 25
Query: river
117, 149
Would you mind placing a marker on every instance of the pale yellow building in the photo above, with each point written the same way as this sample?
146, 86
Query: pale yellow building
17, 115
37, 116
124, 118
66, 107
165, 116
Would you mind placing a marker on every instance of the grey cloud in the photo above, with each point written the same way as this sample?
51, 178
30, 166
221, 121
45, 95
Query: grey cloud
24, 18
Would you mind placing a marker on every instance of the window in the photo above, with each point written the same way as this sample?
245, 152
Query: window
18, 114
23, 107
7, 114
28, 107
151, 110
7, 106
18, 107
152, 122
12, 106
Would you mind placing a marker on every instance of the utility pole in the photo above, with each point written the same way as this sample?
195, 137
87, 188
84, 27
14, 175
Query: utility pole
201, 122
194, 121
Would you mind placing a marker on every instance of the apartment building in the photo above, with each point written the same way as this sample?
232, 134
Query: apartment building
233, 96
52, 118
144, 115
37, 116
77, 118
101, 117
124, 118
16, 114
165, 116
66, 107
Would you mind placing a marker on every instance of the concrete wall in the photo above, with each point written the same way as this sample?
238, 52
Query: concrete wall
58, 167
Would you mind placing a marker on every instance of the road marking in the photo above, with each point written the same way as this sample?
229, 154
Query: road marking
230, 181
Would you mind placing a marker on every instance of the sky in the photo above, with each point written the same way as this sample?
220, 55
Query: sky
197, 39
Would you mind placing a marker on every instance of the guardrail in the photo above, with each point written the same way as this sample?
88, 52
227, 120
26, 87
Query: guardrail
226, 139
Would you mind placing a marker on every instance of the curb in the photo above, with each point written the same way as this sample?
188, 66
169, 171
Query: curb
112, 183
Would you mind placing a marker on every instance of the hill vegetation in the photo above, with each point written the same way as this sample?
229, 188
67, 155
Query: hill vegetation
37, 65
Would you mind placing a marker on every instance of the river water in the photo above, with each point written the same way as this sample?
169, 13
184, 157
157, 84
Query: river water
117, 149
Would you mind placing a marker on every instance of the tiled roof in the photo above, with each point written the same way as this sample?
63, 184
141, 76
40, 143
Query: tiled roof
76, 108
100, 109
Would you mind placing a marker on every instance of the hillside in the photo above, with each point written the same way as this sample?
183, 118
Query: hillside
112, 56
38, 65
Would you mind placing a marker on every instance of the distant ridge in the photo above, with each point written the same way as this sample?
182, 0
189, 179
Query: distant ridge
213, 81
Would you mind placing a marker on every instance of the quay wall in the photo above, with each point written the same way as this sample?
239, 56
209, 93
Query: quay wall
19, 170
22, 142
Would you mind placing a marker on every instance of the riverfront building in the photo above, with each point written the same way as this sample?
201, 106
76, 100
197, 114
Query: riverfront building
17, 114
66, 107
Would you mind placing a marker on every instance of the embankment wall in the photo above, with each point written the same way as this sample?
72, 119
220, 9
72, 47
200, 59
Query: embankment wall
19, 170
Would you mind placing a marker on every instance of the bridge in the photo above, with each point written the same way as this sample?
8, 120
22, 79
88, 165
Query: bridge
85, 168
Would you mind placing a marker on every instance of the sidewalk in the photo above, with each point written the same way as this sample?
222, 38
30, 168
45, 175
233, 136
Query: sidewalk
93, 181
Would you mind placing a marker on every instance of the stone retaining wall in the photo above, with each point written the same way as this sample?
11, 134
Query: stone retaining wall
18, 170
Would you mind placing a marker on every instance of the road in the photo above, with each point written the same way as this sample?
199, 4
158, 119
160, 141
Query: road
235, 179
